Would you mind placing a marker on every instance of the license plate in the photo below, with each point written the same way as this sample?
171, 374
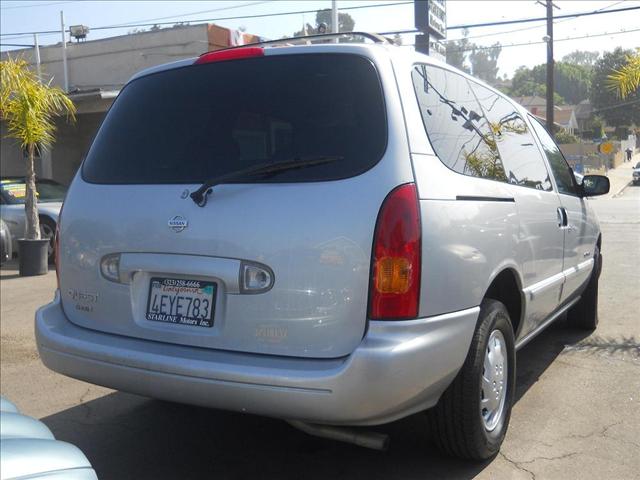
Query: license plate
185, 302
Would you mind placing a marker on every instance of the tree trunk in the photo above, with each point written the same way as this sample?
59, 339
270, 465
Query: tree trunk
32, 224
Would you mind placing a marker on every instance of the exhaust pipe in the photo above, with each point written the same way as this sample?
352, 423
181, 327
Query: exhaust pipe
373, 440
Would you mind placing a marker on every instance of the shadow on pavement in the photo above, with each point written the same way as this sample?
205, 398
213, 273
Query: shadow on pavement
9, 270
127, 436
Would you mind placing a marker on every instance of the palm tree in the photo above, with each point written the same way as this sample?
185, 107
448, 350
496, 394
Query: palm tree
29, 107
626, 80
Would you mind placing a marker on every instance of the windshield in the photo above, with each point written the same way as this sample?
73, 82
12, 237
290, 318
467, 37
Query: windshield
198, 122
14, 191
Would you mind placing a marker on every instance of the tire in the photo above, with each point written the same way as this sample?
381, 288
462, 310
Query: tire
584, 314
458, 423
48, 230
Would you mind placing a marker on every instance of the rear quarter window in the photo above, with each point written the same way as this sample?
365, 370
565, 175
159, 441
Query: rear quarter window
460, 134
189, 124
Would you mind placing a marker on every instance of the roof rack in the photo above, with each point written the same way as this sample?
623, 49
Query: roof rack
374, 37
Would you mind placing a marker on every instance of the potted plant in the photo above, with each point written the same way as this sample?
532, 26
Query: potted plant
29, 108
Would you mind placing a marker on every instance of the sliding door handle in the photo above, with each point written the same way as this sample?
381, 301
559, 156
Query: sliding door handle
562, 217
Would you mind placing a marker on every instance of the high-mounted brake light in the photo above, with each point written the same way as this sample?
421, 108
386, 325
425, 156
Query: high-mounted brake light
230, 54
395, 273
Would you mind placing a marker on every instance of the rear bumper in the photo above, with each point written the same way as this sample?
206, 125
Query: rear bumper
398, 369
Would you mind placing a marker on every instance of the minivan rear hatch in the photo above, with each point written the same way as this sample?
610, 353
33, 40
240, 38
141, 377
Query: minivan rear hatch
274, 263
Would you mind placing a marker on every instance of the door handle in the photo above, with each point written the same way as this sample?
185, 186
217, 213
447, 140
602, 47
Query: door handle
562, 217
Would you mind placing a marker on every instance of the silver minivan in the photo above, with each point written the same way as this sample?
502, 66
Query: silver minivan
335, 234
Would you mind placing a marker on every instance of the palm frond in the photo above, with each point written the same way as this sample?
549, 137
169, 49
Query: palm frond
626, 80
30, 107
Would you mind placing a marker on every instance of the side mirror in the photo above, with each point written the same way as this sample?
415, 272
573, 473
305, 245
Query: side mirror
594, 185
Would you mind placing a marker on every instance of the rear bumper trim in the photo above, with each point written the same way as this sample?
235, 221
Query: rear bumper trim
398, 369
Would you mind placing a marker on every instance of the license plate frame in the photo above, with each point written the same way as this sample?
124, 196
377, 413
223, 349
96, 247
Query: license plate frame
176, 288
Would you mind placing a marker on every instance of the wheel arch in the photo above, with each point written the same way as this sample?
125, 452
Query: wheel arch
506, 287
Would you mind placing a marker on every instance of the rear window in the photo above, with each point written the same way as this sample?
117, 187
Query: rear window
193, 123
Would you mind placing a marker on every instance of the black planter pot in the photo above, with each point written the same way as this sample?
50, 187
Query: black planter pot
33, 257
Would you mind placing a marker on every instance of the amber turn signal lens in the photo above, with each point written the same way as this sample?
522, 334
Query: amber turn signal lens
393, 275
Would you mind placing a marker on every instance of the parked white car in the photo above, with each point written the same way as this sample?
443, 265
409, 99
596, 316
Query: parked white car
636, 174
28, 450
12, 198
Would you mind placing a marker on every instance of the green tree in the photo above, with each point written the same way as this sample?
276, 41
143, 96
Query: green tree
605, 101
29, 108
526, 82
458, 51
484, 62
581, 58
572, 82
346, 23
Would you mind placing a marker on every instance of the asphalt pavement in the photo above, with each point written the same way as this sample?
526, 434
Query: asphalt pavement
577, 411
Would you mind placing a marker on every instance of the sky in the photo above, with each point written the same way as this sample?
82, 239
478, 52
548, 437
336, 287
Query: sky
43, 15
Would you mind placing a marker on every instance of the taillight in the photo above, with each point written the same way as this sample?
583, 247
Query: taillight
230, 54
56, 246
395, 281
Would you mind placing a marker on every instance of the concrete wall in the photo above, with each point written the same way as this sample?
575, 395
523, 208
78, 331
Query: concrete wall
72, 143
112, 61
12, 161
62, 161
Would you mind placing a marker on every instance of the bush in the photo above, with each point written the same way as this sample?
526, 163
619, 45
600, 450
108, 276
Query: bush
565, 137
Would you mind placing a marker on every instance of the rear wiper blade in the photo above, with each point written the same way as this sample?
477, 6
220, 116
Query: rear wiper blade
200, 195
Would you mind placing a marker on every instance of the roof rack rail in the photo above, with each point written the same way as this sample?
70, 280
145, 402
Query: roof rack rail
374, 37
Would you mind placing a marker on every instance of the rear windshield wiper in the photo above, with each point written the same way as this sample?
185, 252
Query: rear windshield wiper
200, 195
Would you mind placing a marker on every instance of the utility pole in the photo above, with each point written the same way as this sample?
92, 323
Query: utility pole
335, 26
36, 47
550, 88
550, 64
64, 53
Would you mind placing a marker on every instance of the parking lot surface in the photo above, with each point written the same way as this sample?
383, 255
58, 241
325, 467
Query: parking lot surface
577, 411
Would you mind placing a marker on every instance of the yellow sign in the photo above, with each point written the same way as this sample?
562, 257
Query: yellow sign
606, 147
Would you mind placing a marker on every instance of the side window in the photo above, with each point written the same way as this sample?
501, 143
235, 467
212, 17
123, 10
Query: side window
559, 166
460, 135
521, 158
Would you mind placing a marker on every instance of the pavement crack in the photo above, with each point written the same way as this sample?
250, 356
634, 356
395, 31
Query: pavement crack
86, 405
598, 433
559, 457
518, 466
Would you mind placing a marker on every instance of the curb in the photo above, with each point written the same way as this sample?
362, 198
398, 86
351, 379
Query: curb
621, 190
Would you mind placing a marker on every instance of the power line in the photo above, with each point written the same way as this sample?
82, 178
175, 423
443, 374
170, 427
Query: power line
35, 5
527, 28
521, 20
605, 34
610, 107
538, 19
248, 4
16, 35
203, 20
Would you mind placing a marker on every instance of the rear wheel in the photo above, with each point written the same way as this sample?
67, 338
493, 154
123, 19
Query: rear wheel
584, 314
48, 230
471, 418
